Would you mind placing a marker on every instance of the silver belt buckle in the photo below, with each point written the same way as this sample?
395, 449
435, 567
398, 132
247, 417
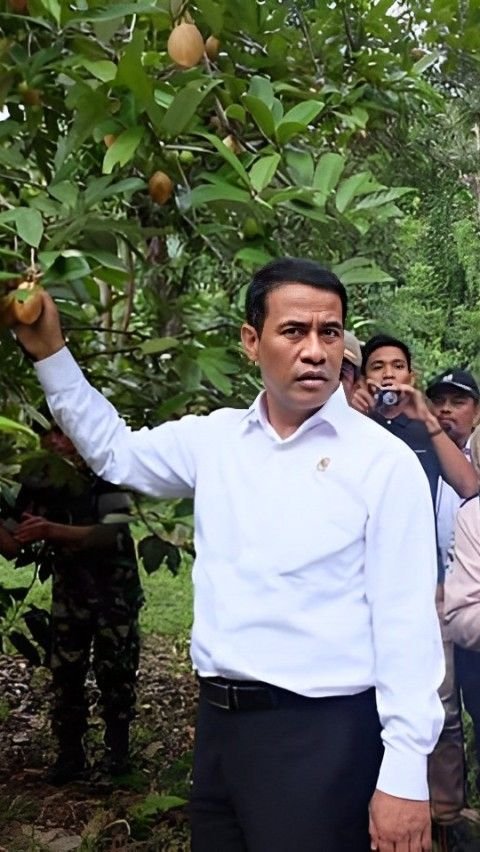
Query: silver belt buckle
225, 690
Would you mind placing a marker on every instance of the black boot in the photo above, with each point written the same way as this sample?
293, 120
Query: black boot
117, 741
70, 764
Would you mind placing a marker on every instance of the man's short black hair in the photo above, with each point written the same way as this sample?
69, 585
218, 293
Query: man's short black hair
288, 270
380, 340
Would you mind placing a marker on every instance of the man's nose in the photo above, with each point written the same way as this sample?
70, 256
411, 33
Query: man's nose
313, 349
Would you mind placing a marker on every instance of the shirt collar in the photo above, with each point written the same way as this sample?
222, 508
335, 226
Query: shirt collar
335, 412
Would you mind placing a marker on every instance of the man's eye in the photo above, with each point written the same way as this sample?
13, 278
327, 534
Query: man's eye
332, 332
292, 332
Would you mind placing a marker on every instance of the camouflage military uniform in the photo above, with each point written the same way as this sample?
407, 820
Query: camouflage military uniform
96, 597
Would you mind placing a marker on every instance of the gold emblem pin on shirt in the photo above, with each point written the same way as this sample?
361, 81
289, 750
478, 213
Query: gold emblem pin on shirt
323, 464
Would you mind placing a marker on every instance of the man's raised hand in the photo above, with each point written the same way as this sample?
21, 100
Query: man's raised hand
43, 337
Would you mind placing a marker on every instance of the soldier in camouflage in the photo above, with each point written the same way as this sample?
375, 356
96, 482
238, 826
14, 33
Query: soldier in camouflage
96, 596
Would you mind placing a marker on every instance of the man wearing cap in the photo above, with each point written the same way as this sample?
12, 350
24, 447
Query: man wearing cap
454, 398
351, 364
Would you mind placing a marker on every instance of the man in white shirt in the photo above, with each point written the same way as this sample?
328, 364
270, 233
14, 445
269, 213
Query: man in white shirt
315, 636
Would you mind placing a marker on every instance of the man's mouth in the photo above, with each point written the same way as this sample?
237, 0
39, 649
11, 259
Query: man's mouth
312, 379
446, 423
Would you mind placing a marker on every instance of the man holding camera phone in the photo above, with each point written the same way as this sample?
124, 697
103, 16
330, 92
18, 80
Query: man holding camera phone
387, 394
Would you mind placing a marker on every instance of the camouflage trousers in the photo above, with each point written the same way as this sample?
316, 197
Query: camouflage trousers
103, 633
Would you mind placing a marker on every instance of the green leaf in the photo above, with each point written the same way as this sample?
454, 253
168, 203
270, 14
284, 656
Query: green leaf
377, 199
304, 112
263, 171
154, 803
216, 365
261, 88
297, 119
65, 192
228, 155
7, 425
365, 275
157, 345
115, 11
236, 112
53, 8
29, 225
216, 192
184, 106
252, 257
261, 114
91, 108
102, 188
132, 75
106, 259
328, 172
300, 166
122, 149
102, 69
349, 188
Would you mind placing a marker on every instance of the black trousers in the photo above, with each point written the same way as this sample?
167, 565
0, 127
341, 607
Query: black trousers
467, 666
294, 778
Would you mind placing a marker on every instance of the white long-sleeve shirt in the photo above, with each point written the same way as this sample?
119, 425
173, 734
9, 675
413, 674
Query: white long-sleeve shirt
315, 560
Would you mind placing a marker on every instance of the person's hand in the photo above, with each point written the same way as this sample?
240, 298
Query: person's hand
399, 825
32, 528
412, 403
362, 399
44, 337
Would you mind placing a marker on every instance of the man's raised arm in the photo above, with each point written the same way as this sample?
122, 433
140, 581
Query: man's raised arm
159, 461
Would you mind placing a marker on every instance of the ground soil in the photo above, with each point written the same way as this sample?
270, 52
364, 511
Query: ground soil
37, 817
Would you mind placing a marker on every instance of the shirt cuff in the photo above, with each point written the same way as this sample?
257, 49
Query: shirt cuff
404, 774
58, 372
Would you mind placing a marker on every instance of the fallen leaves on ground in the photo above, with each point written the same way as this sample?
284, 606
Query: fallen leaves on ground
36, 816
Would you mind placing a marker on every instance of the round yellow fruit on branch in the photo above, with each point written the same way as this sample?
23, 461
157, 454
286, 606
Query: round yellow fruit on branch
185, 45
26, 310
160, 187
212, 47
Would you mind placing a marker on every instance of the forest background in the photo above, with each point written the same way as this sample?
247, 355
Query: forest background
143, 195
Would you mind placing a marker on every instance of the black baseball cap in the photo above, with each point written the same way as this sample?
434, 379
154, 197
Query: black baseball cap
456, 379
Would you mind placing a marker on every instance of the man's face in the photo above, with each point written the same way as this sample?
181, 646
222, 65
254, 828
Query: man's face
388, 366
456, 412
56, 442
299, 350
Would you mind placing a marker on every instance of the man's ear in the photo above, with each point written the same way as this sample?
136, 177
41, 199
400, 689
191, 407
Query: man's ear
250, 341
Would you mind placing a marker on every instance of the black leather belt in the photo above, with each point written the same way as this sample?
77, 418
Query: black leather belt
235, 695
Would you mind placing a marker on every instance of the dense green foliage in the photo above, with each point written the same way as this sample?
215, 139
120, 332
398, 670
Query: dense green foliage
345, 131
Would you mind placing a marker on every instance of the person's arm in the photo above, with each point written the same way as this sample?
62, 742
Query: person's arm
9, 548
96, 537
456, 469
158, 461
401, 572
